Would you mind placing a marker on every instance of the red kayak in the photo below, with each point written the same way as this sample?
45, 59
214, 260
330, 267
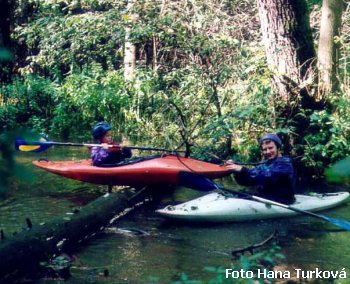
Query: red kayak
157, 170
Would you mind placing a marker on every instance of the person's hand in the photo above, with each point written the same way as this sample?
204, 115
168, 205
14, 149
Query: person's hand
234, 168
104, 146
115, 148
229, 162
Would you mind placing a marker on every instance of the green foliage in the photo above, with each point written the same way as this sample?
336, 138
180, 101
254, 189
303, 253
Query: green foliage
218, 90
329, 138
210, 86
314, 2
29, 101
70, 35
87, 97
78, 44
339, 172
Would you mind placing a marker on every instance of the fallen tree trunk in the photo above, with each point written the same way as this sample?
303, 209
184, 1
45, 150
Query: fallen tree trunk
23, 252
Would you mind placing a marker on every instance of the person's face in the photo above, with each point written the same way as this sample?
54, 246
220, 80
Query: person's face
107, 138
269, 150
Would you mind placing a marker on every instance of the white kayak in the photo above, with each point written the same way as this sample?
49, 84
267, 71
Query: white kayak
217, 207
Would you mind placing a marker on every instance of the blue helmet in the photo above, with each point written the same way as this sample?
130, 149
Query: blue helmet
100, 129
271, 137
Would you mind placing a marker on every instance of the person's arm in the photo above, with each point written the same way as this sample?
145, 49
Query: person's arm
248, 177
99, 155
241, 174
126, 153
280, 171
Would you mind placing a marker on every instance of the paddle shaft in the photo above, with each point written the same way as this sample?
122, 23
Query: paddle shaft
49, 143
337, 222
271, 202
268, 201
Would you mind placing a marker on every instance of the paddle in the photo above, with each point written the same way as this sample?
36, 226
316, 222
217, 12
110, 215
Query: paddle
198, 182
42, 144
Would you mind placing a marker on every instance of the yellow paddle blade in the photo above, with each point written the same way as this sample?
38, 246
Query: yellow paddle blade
28, 148
22, 145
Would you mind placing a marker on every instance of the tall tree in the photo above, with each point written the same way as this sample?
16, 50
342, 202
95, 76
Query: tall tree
129, 47
289, 47
328, 48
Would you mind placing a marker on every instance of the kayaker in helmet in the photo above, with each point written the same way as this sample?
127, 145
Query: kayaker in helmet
105, 156
275, 178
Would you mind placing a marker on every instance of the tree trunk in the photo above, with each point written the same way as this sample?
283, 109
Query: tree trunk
225, 148
154, 59
129, 48
328, 49
23, 252
5, 40
288, 42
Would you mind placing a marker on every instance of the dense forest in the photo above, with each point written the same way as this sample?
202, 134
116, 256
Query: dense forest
209, 76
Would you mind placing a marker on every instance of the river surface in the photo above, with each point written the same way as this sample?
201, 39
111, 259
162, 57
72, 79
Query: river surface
142, 247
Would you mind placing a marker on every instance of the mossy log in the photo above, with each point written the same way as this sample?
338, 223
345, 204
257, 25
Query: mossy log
22, 253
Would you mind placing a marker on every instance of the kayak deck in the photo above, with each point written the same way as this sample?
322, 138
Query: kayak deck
216, 207
159, 170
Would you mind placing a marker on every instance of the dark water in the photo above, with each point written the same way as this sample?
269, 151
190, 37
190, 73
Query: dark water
144, 248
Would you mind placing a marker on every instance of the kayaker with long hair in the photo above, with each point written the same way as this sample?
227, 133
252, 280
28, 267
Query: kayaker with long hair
274, 178
105, 155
